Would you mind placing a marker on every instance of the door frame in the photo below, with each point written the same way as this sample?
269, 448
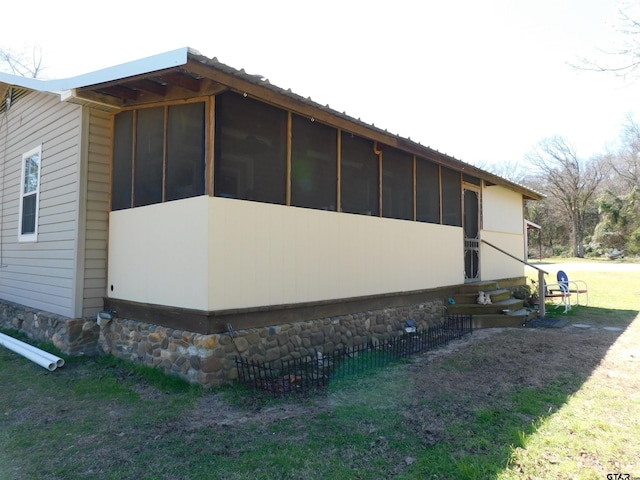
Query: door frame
471, 251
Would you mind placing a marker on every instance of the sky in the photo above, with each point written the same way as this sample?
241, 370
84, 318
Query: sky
483, 81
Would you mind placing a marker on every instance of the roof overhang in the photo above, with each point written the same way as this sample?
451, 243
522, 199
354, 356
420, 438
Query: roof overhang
118, 72
185, 73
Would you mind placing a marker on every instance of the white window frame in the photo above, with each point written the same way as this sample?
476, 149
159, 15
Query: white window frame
30, 236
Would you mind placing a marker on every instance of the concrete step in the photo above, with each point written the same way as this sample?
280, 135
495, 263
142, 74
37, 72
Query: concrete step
472, 297
475, 287
499, 295
510, 304
517, 318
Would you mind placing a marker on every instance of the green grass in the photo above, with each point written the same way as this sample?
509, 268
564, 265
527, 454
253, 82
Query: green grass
613, 293
108, 419
594, 433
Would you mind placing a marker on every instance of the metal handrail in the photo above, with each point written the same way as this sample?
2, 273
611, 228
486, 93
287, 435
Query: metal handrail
541, 273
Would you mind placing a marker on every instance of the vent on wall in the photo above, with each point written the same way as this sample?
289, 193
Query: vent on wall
10, 95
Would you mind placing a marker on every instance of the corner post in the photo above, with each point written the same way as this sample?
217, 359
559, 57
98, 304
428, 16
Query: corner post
541, 306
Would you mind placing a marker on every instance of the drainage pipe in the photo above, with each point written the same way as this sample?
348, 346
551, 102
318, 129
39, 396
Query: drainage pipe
49, 356
40, 357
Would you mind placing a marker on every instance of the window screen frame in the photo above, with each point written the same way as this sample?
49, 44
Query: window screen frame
172, 166
451, 203
250, 167
127, 166
371, 181
149, 165
401, 204
304, 162
425, 211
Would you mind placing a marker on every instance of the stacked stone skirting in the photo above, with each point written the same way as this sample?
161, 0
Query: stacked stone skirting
74, 336
210, 359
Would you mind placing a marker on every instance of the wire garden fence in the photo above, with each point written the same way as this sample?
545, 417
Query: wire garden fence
303, 375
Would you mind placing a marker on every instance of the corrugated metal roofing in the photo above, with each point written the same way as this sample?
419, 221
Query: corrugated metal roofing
180, 58
407, 142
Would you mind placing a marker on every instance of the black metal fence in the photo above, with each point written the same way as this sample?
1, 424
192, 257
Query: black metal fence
303, 375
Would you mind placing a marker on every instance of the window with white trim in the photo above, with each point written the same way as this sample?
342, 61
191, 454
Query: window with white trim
29, 195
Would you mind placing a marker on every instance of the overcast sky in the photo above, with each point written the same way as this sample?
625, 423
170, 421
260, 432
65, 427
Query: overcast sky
483, 81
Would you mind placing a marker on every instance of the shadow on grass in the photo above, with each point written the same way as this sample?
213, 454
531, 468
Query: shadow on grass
508, 386
595, 315
459, 415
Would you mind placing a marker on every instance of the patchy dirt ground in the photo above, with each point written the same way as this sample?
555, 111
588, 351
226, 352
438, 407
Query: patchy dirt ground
396, 411
470, 373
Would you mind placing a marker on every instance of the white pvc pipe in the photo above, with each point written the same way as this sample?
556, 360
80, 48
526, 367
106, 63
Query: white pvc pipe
49, 356
40, 357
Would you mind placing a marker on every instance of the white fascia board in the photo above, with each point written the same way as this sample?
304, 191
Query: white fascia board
137, 67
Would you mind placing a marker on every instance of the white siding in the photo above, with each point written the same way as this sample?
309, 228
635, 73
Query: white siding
41, 274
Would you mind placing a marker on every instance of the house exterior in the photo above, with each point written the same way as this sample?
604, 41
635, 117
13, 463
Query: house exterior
189, 199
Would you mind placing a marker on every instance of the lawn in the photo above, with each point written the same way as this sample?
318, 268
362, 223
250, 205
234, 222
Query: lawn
504, 403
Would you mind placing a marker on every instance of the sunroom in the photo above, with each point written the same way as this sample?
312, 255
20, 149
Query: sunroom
230, 195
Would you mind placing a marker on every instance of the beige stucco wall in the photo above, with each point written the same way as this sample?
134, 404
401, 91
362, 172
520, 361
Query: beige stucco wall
279, 255
503, 226
502, 210
496, 265
159, 254
217, 253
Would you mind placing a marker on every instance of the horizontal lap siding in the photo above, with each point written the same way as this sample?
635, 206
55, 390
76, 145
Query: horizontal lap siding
40, 274
97, 212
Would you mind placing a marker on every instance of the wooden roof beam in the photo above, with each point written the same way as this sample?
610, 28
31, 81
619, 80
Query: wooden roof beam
98, 98
119, 92
148, 86
182, 80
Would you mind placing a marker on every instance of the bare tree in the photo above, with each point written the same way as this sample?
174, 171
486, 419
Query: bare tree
624, 59
511, 170
571, 181
626, 164
21, 63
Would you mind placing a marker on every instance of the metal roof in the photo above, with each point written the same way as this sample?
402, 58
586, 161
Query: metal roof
184, 72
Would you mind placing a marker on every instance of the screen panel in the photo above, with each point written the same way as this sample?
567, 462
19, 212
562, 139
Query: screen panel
427, 191
313, 164
397, 184
251, 150
185, 151
451, 197
359, 177
122, 173
149, 162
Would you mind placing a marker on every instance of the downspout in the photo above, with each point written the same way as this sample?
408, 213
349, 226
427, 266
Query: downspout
5, 120
40, 357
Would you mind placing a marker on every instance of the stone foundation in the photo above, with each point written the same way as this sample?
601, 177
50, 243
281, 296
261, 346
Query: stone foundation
74, 336
210, 359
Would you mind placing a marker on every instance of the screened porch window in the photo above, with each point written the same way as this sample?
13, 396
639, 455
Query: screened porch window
314, 164
359, 175
251, 150
427, 191
451, 198
266, 154
148, 168
158, 155
397, 184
